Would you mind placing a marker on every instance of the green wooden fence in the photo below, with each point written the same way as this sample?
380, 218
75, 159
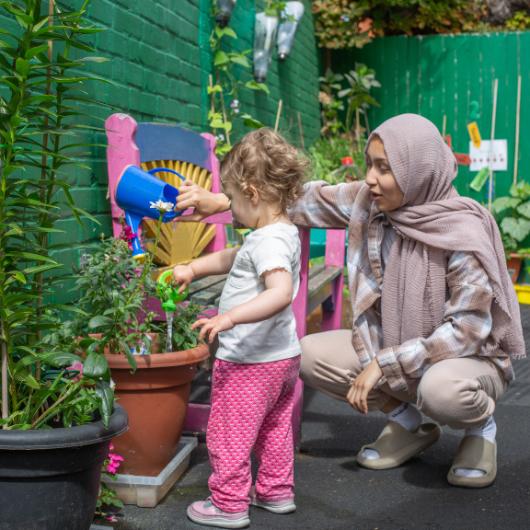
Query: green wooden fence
441, 75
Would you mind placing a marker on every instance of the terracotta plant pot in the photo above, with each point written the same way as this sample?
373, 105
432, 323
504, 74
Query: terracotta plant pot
514, 263
155, 398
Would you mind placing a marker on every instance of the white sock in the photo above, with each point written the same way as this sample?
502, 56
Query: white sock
488, 431
407, 415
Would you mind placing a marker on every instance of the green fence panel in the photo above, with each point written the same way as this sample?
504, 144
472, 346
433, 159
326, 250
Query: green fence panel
441, 75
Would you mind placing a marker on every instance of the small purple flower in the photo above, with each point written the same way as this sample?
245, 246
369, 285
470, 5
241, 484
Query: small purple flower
345, 18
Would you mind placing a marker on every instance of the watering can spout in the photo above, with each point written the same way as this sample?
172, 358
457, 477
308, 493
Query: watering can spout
136, 193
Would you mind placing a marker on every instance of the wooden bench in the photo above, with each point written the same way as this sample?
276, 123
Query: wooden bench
147, 145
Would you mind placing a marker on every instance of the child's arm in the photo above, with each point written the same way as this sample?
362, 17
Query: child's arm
216, 263
276, 297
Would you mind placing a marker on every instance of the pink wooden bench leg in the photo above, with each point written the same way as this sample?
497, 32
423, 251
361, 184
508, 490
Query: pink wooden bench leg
335, 240
197, 417
297, 412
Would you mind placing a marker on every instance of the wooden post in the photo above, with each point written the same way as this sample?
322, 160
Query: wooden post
278, 114
492, 137
517, 125
301, 130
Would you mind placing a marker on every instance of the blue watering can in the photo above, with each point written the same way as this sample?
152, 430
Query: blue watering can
135, 192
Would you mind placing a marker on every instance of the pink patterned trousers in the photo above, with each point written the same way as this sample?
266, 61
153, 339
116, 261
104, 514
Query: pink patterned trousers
252, 406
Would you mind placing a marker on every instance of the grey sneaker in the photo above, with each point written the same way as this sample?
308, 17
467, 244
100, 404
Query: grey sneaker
206, 513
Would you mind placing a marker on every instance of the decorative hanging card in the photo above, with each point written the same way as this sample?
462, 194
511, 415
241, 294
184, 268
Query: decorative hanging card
489, 154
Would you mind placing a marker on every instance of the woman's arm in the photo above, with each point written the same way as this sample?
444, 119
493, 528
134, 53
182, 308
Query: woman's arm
325, 206
205, 202
276, 297
466, 327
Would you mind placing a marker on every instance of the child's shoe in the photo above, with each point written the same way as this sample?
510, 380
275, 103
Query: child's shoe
281, 506
206, 513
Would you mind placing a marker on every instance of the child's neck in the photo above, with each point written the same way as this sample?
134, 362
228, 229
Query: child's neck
269, 215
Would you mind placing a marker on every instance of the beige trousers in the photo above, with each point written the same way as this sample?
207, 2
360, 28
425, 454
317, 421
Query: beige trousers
459, 392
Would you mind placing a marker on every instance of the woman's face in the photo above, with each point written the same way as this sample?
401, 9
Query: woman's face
379, 177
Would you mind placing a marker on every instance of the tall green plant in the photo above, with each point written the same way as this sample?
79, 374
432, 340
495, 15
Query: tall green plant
226, 86
42, 76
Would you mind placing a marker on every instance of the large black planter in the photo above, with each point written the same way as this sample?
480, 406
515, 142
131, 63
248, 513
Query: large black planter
49, 479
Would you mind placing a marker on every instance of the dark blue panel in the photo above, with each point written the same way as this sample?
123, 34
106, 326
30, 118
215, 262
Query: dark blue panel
169, 142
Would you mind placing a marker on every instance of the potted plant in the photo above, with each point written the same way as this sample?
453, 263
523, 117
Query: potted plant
57, 409
152, 371
513, 217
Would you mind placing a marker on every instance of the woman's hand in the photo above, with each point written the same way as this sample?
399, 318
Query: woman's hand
210, 327
358, 394
205, 202
183, 276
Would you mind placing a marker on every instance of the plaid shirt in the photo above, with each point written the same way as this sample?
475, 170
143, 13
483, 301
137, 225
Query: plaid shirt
467, 321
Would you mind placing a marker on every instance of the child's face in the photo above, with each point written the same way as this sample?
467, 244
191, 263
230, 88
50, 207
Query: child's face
384, 188
244, 211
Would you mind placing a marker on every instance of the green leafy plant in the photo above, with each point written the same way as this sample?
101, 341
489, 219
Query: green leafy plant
225, 86
108, 504
346, 24
361, 81
513, 216
331, 105
114, 288
326, 155
43, 66
519, 22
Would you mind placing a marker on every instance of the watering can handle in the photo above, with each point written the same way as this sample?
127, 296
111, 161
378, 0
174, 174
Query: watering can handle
157, 169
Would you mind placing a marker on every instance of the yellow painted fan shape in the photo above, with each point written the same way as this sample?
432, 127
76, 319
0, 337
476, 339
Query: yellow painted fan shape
178, 242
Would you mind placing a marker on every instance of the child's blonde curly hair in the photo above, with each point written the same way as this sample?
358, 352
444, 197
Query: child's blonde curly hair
265, 160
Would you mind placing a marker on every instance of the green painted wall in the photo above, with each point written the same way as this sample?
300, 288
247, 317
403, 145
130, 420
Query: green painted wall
159, 67
437, 75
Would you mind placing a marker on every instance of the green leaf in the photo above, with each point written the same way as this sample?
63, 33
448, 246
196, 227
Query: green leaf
95, 366
519, 229
22, 67
254, 85
237, 58
99, 321
215, 89
524, 209
221, 58
60, 359
106, 401
41, 268
251, 122
225, 32
31, 256
504, 203
32, 52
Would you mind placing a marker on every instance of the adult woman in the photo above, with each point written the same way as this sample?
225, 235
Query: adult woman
435, 318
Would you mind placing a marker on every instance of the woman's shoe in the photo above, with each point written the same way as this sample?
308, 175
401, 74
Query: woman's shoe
395, 445
206, 513
474, 452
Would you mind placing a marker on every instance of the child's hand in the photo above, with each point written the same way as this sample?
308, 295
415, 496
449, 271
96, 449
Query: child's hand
183, 275
210, 327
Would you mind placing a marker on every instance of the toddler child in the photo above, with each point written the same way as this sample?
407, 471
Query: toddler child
258, 357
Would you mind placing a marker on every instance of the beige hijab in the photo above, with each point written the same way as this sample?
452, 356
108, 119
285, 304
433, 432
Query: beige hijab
432, 220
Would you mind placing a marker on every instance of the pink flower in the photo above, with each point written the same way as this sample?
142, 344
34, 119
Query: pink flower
77, 366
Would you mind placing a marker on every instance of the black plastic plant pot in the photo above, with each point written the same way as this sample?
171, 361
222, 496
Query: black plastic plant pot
49, 479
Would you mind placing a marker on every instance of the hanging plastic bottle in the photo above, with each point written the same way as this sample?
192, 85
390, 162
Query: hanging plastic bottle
264, 38
291, 15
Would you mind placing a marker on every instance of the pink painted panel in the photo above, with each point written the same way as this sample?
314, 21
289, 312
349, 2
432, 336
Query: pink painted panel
219, 241
121, 151
300, 302
335, 245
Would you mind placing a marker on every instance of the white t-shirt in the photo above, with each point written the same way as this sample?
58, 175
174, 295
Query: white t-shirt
275, 246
